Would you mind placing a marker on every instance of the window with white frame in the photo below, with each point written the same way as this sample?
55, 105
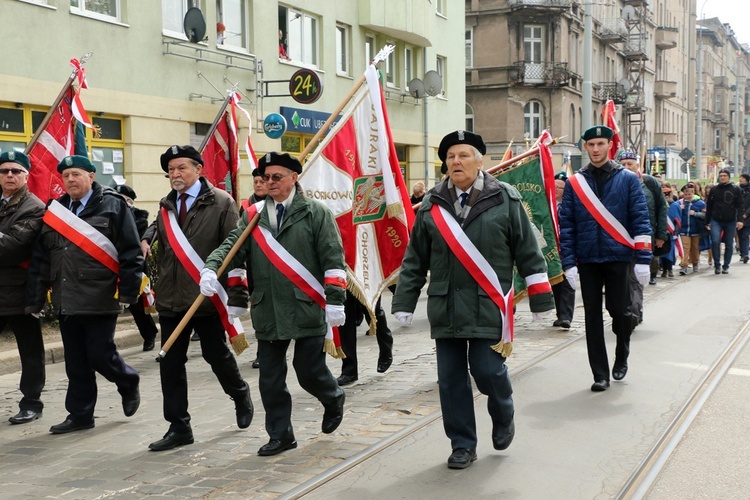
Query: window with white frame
300, 34
441, 68
718, 104
533, 43
390, 68
172, 15
342, 49
440, 7
370, 50
469, 118
232, 14
717, 139
469, 47
108, 10
408, 66
533, 114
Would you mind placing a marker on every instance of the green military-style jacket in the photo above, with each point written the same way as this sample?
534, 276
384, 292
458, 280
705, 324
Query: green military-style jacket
497, 224
279, 309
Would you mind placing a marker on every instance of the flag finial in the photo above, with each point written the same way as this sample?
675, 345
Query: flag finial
384, 52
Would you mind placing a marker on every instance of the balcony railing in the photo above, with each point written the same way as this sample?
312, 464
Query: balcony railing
613, 30
635, 46
547, 74
540, 4
611, 90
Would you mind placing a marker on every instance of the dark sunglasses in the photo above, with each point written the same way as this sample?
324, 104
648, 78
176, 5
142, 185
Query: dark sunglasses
274, 177
15, 171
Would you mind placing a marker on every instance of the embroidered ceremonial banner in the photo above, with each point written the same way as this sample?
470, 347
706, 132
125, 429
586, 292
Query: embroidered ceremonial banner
355, 173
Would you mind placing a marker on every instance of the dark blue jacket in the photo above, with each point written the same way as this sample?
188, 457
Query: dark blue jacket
692, 225
584, 241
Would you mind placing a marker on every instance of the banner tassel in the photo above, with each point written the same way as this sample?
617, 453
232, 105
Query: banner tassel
239, 343
503, 348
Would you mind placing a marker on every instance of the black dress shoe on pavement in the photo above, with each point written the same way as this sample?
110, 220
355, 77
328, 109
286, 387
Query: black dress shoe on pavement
172, 440
565, 324
276, 446
131, 402
652, 281
346, 380
384, 364
461, 458
244, 411
332, 417
25, 416
256, 363
502, 435
556, 322
148, 345
69, 426
619, 371
717, 270
600, 386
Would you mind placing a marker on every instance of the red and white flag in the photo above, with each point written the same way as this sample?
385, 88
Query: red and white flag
355, 172
608, 114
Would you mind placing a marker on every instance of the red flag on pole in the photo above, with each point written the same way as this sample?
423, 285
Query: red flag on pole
355, 172
608, 114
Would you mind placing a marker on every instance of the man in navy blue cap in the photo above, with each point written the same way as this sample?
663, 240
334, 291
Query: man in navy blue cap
20, 220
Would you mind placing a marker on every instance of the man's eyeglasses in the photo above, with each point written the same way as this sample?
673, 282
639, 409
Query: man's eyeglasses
14, 171
274, 177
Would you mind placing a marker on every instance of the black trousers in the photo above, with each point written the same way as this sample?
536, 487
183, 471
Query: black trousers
90, 347
565, 300
613, 277
28, 332
312, 374
348, 335
456, 359
144, 322
214, 348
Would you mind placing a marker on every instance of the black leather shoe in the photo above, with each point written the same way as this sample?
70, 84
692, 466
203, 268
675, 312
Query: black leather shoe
461, 458
172, 440
25, 416
148, 345
276, 446
332, 417
69, 426
565, 324
346, 380
600, 385
652, 281
244, 411
619, 371
556, 322
384, 364
502, 435
131, 402
256, 363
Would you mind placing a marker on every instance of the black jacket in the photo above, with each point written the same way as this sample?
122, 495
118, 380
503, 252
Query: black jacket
81, 284
20, 221
746, 200
725, 203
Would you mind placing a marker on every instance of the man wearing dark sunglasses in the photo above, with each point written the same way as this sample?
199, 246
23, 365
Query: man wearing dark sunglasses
20, 219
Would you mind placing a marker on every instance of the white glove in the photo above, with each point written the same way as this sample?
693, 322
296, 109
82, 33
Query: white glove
572, 276
235, 312
209, 282
404, 317
1, 234
37, 315
642, 273
124, 305
540, 316
335, 315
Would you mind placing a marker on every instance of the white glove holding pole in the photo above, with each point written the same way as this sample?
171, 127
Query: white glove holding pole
209, 282
642, 273
572, 276
335, 315
404, 318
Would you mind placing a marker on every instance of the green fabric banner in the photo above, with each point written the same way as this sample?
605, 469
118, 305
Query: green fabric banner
527, 178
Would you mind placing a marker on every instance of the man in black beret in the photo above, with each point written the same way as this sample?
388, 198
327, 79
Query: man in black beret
20, 220
88, 253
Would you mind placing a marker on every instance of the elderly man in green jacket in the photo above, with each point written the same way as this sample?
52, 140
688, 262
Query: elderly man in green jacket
469, 232
297, 261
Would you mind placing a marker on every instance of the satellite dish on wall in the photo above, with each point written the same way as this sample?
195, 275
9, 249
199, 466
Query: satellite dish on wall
629, 13
194, 25
416, 88
625, 85
433, 83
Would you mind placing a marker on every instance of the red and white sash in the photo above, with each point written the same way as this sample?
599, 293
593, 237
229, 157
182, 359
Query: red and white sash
291, 268
477, 266
606, 220
676, 237
83, 235
193, 264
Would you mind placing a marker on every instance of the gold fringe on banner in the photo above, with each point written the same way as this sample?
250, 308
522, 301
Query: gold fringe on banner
503, 348
239, 343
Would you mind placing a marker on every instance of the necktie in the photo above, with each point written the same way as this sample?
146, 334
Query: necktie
183, 209
279, 215
3, 203
463, 197
75, 206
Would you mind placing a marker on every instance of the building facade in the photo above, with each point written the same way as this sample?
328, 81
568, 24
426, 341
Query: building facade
150, 86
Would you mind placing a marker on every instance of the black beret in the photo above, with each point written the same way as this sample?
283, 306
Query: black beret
125, 190
76, 161
256, 172
460, 137
16, 157
562, 176
597, 132
179, 152
282, 160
